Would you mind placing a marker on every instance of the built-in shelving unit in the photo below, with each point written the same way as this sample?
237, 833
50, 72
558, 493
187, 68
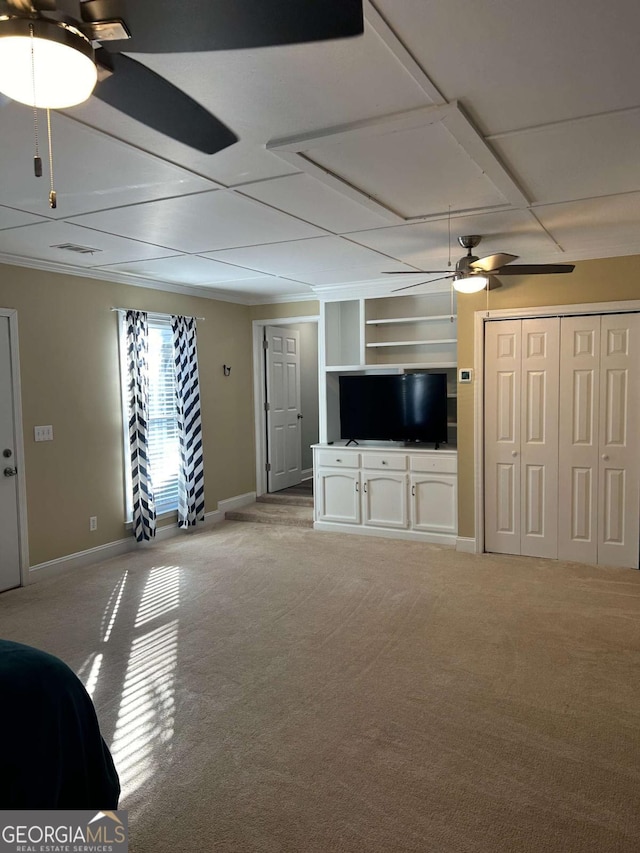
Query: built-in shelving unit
386, 334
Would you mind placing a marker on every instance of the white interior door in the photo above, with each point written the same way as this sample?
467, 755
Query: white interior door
619, 422
521, 436
578, 439
502, 436
539, 437
284, 449
9, 530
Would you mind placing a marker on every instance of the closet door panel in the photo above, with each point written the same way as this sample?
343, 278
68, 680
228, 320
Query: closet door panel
539, 436
578, 439
502, 436
619, 422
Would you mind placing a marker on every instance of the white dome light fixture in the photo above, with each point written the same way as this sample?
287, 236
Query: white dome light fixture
470, 283
46, 64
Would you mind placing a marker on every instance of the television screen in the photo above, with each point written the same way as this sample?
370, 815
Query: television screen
410, 407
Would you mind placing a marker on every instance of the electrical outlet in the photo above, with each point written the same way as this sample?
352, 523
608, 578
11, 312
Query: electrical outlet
93, 522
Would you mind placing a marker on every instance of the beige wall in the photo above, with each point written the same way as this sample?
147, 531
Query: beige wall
275, 311
592, 281
70, 378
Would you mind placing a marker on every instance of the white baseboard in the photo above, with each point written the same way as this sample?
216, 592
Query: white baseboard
466, 544
123, 546
236, 503
81, 559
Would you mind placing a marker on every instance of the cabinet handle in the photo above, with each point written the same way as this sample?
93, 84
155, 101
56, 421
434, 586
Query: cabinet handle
413, 491
357, 487
364, 488
384, 461
338, 460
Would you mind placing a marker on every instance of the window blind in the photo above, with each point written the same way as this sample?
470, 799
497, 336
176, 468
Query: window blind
164, 446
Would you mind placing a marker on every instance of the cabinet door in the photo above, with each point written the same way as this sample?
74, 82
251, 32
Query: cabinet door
434, 503
384, 498
338, 496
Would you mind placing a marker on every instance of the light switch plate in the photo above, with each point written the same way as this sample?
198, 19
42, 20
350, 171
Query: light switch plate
465, 374
43, 433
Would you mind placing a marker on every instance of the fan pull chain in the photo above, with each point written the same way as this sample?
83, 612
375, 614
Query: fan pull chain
37, 159
451, 306
53, 202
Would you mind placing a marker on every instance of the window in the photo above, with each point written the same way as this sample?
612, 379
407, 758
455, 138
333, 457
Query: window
164, 446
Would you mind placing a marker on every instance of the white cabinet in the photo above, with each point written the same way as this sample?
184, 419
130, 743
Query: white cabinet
391, 492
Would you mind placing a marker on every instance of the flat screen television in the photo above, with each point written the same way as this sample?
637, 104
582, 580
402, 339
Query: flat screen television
409, 407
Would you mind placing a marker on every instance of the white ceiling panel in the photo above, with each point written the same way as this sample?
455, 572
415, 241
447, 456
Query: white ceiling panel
595, 228
91, 170
371, 272
10, 218
297, 259
573, 148
426, 244
184, 269
268, 92
521, 64
397, 170
264, 286
39, 241
305, 197
202, 223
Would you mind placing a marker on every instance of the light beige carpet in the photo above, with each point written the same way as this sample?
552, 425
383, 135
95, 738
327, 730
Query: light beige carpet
276, 689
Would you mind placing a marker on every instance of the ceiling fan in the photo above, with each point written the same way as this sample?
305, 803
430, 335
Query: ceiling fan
473, 274
37, 37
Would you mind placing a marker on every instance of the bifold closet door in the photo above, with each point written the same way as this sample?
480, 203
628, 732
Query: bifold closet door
599, 471
521, 436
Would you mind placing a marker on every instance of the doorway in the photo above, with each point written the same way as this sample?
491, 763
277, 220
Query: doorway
272, 450
13, 530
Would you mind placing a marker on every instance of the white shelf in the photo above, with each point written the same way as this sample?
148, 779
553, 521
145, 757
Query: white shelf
412, 343
418, 365
394, 320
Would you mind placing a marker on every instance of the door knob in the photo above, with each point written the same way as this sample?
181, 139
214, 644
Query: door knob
10, 472
514, 452
300, 416
605, 456
7, 453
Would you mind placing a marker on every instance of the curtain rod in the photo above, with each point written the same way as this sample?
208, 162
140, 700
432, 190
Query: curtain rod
152, 313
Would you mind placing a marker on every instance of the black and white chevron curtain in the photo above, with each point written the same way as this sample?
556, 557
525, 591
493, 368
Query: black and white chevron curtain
191, 475
144, 511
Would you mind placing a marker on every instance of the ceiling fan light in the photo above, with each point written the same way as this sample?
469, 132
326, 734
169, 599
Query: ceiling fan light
470, 283
63, 63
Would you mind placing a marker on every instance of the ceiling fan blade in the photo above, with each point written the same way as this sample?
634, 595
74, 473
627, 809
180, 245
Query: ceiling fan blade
414, 272
24, 6
429, 281
534, 269
145, 96
164, 26
493, 262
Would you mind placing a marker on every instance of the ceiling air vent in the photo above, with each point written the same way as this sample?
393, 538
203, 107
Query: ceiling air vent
73, 247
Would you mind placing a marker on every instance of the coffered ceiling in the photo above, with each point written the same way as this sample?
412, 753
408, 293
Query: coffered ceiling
518, 121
